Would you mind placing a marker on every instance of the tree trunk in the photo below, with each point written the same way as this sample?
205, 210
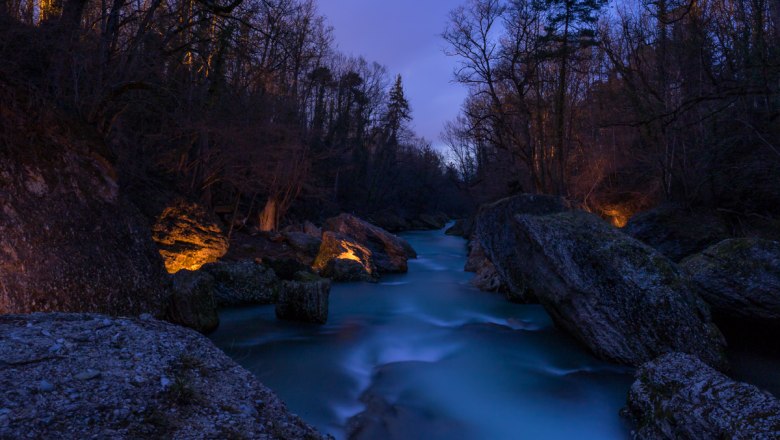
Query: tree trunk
269, 218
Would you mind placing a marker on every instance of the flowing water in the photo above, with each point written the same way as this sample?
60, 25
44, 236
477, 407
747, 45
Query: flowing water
425, 355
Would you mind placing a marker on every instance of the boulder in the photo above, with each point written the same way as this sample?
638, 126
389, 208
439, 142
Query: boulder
739, 277
312, 229
390, 221
388, 252
192, 302
498, 237
70, 240
343, 259
304, 299
305, 246
432, 221
188, 237
80, 376
676, 231
678, 396
241, 283
621, 298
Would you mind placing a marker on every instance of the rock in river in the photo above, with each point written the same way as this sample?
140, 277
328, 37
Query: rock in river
343, 259
139, 379
498, 238
740, 277
304, 299
240, 283
621, 298
677, 396
388, 252
192, 302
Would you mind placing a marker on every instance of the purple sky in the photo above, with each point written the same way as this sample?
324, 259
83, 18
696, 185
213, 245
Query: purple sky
405, 36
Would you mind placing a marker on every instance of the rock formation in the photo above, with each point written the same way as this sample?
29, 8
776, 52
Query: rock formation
739, 277
90, 376
678, 396
388, 252
341, 258
621, 298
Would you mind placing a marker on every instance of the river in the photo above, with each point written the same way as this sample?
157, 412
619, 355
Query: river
430, 357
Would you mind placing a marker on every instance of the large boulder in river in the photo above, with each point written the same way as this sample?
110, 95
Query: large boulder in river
69, 238
79, 376
343, 259
388, 252
304, 299
740, 277
498, 237
464, 227
188, 237
304, 245
621, 298
677, 231
192, 302
677, 396
242, 283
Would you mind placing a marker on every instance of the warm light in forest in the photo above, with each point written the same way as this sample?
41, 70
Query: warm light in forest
618, 217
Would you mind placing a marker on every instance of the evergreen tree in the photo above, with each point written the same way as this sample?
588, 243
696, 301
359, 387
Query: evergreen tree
398, 112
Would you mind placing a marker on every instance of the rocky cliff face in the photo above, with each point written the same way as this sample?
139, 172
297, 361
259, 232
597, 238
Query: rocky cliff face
90, 376
69, 240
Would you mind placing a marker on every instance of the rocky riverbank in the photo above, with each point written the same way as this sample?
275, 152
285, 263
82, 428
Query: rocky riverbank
630, 302
93, 376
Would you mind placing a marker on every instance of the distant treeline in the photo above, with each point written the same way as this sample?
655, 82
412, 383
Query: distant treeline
242, 104
621, 105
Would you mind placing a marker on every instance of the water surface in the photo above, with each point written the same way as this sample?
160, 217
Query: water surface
425, 355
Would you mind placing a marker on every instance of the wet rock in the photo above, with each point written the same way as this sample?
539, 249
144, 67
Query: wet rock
679, 396
677, 232
188, 237
432, 221
739, 277
305, 299
621, 298
207, 394
343, 259
388, 252
499, 239
70, 240
192, 302
239, 283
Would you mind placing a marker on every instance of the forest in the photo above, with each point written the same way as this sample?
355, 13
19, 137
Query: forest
247, 107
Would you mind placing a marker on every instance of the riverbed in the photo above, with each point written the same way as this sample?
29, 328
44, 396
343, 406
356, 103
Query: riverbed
426, 355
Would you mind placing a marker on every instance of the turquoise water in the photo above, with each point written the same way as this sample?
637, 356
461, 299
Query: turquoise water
430, 357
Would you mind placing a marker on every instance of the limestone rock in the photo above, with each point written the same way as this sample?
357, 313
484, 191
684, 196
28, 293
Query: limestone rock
462, 228
147, 379
487, 277
192, 302
388, 252
678, 396
306, 246
304, 299
677, 232
187, 237
498, 238
343, 259
240, 283
621, 298
740, 277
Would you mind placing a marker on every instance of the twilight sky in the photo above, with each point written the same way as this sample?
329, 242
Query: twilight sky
405, 36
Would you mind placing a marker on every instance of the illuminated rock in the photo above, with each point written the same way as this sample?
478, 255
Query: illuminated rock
187, 237
343, 259
388, 252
